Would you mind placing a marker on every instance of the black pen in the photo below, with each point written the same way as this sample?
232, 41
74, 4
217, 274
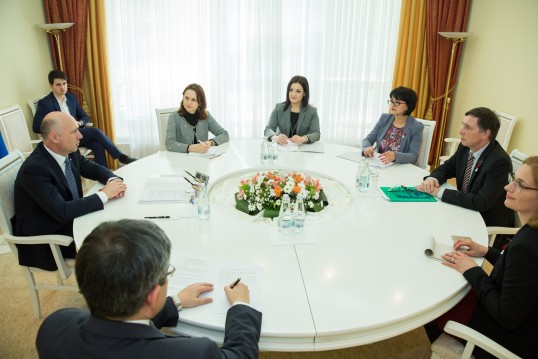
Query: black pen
195, 178
235, 283
195, 186
407, 188
156, 217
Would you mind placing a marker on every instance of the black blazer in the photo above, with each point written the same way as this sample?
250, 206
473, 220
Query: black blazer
486, 189
49, 104
507, 309
73, 333
44, 204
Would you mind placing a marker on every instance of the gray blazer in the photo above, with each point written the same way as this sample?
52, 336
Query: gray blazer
179, 134
410, 143
307, 125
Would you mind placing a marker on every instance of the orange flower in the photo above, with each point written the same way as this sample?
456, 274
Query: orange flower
296, 189
297, 178
278, 191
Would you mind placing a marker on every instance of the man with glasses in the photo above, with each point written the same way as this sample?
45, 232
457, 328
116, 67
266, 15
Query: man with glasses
481, 168
122, 271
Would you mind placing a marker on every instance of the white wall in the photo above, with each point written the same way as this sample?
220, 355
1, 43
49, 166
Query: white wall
499, 67
25, 60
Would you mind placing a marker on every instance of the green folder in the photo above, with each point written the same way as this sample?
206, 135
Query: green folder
406, 194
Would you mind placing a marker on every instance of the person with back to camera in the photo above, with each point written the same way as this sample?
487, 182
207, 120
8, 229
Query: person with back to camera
122, 270
397, 134
504, 305
294, 119
188, 128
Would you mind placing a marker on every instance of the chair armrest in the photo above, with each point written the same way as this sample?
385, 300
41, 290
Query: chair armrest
452, 140
45, 239
89, 124
36, 141
476, 338
501, 230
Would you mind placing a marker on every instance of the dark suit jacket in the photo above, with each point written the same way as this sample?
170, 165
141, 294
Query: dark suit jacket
73, 333
49, 104
307, 124
507, 309
486, 192
44, 204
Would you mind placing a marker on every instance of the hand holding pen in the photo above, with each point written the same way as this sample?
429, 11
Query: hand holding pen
369, 151
237, 292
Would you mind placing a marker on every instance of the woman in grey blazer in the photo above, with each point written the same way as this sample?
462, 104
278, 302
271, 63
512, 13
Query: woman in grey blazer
294, 119
397, 134
188, 128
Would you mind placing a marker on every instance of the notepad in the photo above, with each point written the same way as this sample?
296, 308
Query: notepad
405, 194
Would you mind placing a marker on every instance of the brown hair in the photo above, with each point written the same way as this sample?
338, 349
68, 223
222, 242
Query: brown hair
532, 162
200, 97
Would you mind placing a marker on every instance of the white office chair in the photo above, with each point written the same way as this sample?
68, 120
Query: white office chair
517, 160
162, 122
505, 132
84, 151
447, 347
427, 137
15, 130
9, 167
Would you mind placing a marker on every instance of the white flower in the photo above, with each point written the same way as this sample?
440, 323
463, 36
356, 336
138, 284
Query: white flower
278, 202
259, 206
316, 196
251, 207
310, 204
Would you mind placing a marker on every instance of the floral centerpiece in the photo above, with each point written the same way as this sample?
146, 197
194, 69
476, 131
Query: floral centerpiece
263, 191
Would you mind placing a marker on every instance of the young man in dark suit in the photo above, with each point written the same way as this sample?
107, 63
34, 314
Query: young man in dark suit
48, 189
122, 270
481, 168
61, 100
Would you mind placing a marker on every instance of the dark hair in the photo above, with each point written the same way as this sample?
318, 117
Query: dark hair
200, 97
486, 120
56, 74
301, 80
532, 162
407, 95
119, 264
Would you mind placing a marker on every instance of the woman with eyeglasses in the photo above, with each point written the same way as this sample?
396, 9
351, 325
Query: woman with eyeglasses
397, 135
504, 305
188, 128
294, 119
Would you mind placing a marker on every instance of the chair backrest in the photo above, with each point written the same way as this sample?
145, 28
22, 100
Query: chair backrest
427, 137
9, 167
15, 130
507, 126
517, 158
33, 104
162, 122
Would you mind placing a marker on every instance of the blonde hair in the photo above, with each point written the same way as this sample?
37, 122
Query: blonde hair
532, 162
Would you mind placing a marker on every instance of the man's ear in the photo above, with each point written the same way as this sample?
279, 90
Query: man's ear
153, 296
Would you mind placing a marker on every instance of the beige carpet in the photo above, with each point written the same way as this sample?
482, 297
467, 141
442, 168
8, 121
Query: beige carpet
19, 327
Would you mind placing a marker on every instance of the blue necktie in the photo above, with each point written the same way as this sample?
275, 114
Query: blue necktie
71, 179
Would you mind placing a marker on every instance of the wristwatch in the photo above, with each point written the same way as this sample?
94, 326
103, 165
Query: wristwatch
177, 302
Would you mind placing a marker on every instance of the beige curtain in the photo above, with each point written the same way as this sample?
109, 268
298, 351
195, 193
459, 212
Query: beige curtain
97, 79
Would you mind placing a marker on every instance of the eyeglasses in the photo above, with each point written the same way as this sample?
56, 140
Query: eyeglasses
170, 273
395, 103
519, 184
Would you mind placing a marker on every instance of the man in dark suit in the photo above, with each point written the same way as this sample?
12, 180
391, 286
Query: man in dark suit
122, 271
46, 201
481, 168
60, 100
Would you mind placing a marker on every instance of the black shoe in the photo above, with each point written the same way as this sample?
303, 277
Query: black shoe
126, 159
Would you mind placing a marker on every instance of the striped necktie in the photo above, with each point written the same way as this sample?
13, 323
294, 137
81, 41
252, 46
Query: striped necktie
71, 179
467, 175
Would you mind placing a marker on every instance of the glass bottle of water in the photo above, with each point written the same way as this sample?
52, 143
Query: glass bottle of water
299, 214
273, 150
264, 152
285, 218
363, 176
203, 202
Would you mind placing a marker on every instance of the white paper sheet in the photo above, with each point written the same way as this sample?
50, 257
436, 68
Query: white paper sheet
165, 188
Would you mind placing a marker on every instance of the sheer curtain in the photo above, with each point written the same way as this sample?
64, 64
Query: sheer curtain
243, 53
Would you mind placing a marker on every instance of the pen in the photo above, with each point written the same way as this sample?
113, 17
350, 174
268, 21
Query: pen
194, 177
192, 184
156, 217
235, 283
407, 188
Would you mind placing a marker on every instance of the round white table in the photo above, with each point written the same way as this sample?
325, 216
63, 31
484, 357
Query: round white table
365, 279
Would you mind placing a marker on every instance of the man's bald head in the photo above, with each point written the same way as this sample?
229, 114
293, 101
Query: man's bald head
60, 132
